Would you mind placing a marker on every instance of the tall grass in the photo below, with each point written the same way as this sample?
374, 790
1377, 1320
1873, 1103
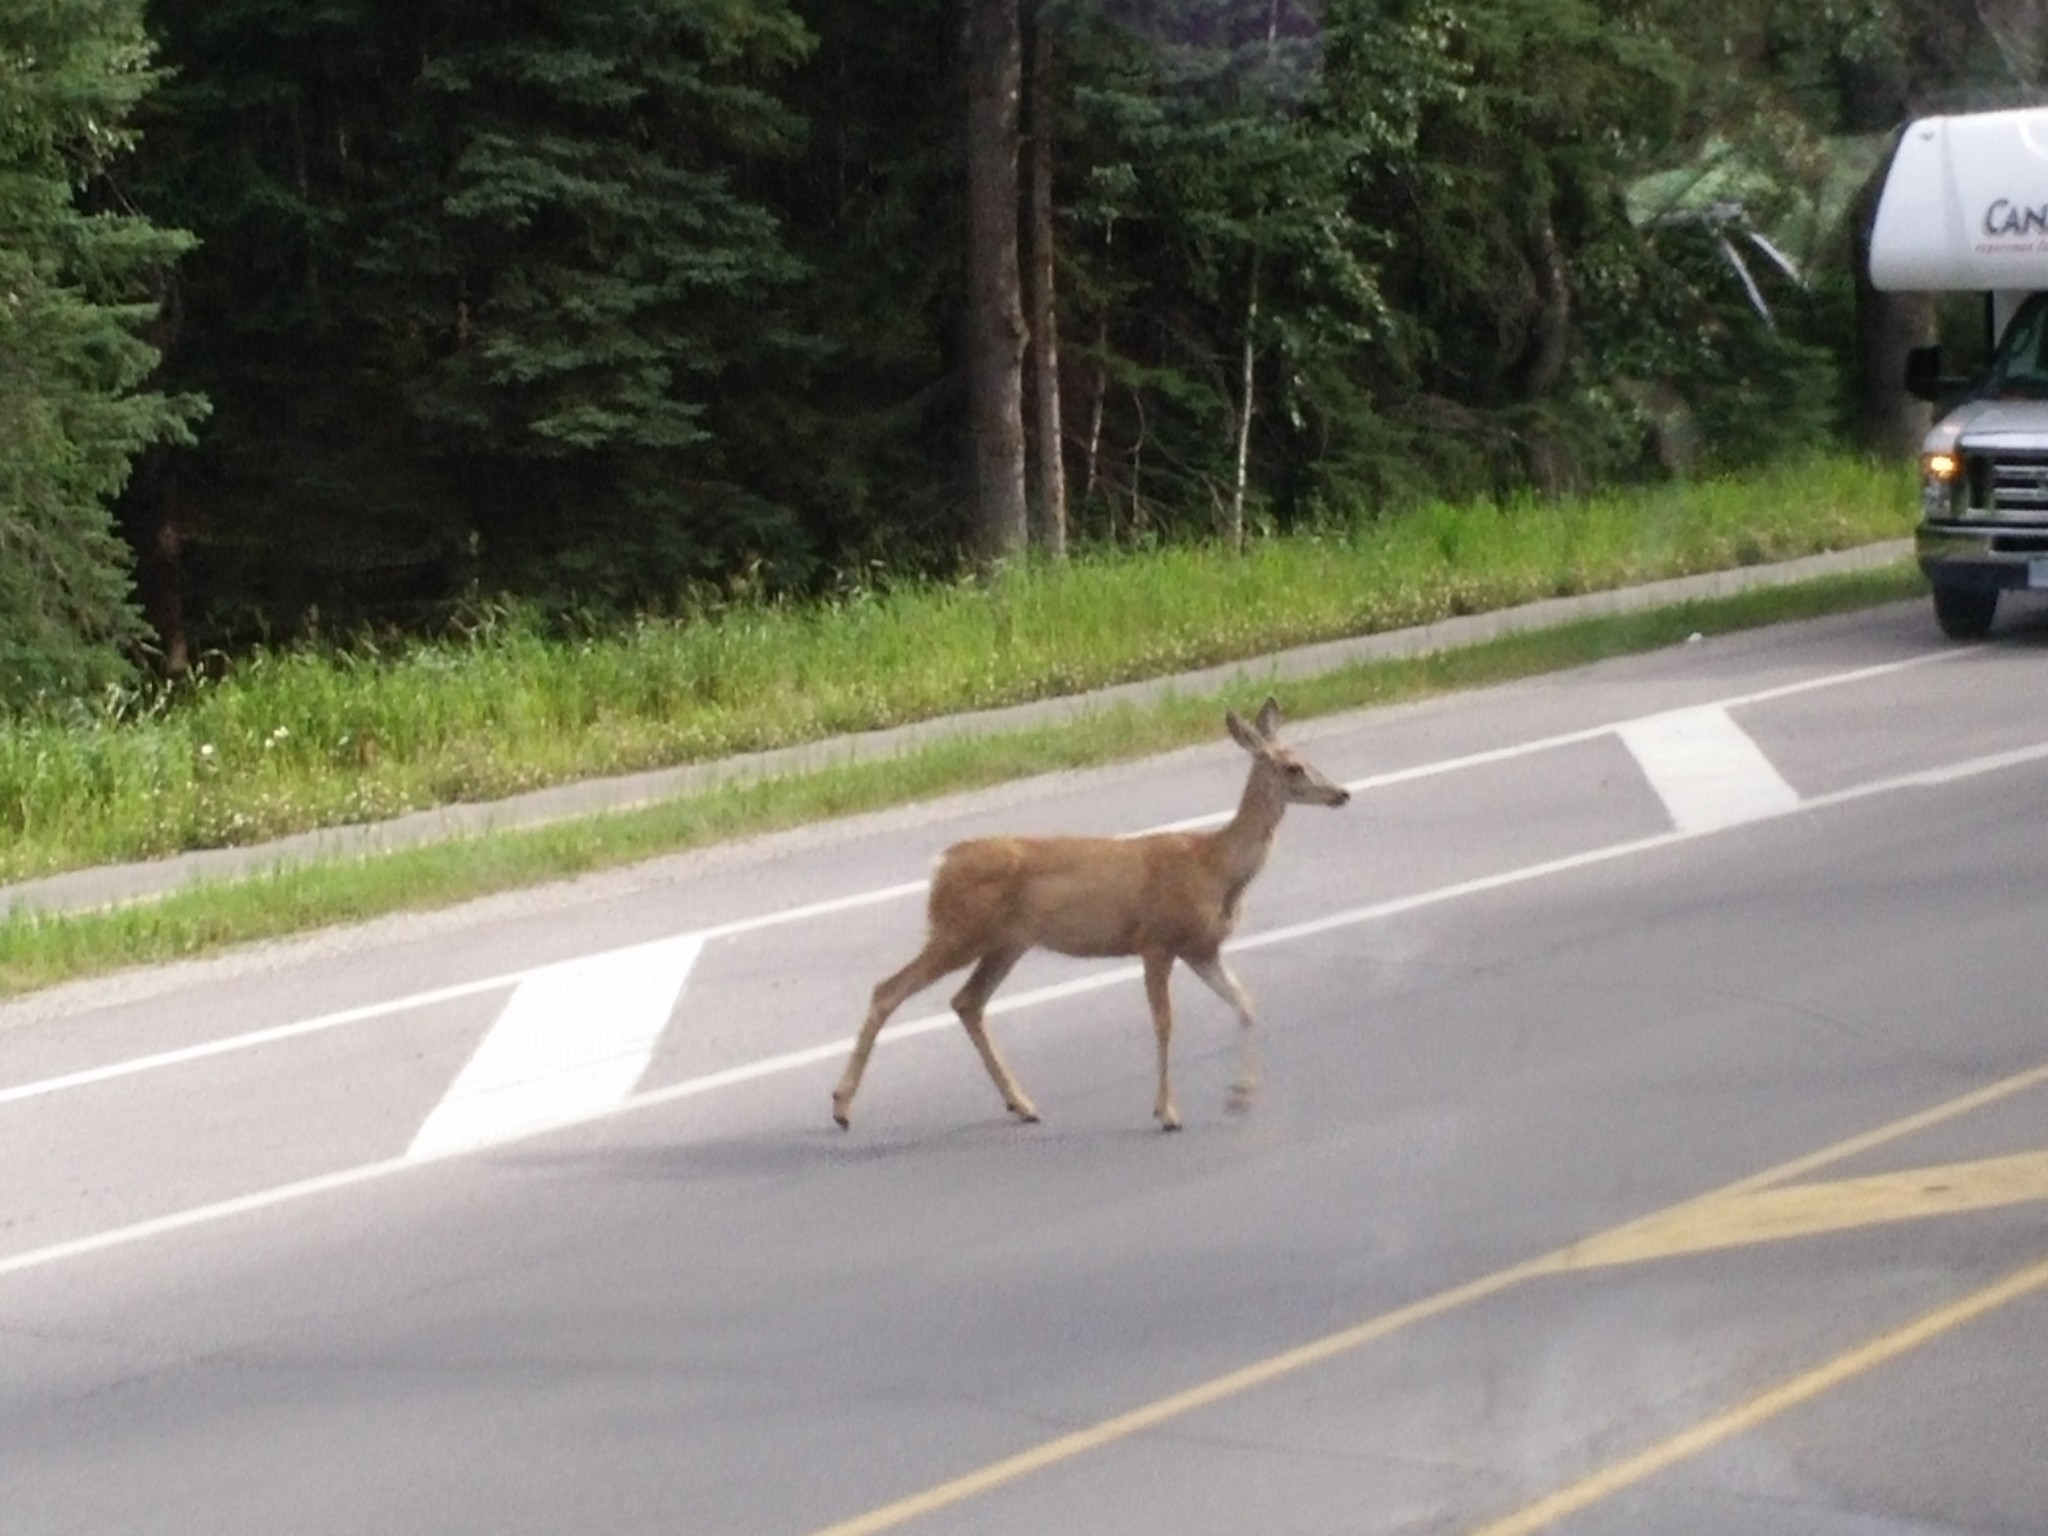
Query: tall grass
295, 739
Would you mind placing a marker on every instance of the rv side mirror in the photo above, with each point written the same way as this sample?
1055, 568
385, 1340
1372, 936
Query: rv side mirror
1923, 373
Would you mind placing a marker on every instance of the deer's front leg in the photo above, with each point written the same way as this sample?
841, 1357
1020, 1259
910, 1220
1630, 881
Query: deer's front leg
1157, 970
1217, 976
890, 994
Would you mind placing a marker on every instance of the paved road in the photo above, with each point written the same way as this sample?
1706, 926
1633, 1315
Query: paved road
1654, 1140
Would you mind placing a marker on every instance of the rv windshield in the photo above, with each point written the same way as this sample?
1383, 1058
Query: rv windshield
2020, 367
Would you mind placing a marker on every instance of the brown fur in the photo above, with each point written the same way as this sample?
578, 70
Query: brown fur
1164, 897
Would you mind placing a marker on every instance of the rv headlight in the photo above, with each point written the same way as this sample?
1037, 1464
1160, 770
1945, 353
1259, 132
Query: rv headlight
1941, 484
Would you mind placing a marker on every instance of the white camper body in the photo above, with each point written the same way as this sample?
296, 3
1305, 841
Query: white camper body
1965, 209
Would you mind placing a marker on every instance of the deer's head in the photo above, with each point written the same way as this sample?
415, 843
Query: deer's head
1293, 780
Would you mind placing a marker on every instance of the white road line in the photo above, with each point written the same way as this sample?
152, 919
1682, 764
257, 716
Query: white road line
835, 1050
257, 1037
1706, 769
572, 1042
842, 904
1492, 755
279, 1033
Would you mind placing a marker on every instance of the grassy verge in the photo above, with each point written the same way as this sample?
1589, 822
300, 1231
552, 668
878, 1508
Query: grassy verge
314, 737
40, 951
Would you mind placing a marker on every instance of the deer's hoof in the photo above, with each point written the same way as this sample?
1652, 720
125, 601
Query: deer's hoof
1239, 1102
839, 1114
1025, 1114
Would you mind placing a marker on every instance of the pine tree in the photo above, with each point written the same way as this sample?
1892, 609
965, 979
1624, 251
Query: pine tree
590, 282
74, 298
484, 298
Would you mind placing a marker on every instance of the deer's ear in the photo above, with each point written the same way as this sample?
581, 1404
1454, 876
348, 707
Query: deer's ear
1243, 734
1269, 717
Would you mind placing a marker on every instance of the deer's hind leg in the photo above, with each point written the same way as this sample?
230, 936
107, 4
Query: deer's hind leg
969, 1003
1158, 968
932, 962
1218, 978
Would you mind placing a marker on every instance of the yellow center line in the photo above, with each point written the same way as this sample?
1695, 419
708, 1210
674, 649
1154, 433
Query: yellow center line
1215, 1390
1871, 1140
1786, 1395
1123, 1426
1806, 1210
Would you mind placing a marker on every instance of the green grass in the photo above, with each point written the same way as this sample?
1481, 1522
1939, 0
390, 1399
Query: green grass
38, 951
292, 740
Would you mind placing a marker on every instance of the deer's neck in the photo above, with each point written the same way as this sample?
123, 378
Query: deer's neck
1244, 841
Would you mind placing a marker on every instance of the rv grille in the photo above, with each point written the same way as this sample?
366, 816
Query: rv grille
2019, 484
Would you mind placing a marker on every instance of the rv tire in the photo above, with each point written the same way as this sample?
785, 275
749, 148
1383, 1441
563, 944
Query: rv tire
1964, 613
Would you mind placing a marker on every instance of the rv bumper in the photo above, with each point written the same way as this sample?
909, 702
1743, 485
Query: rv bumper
1987, 559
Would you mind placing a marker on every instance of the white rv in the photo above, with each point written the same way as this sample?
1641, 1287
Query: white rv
1965, 208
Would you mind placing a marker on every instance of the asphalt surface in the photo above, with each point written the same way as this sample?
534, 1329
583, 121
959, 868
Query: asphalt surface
1653, 1140
115, 884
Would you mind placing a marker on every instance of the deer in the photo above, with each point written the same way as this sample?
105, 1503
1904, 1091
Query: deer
1161, 896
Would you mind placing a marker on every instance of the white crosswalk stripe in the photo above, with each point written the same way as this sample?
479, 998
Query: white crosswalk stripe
573, 1040
1706, 769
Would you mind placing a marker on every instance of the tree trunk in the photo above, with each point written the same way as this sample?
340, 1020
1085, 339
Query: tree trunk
1235, 530
995, 320
1888, 325
1099, 386
1045, 346
1549, 350
2020, 29
151, 509
152, 521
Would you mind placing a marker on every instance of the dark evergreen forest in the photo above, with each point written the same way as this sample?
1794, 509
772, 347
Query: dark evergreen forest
322, 314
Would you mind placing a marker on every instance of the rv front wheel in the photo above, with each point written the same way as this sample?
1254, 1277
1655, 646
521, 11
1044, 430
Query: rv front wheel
1964, 613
